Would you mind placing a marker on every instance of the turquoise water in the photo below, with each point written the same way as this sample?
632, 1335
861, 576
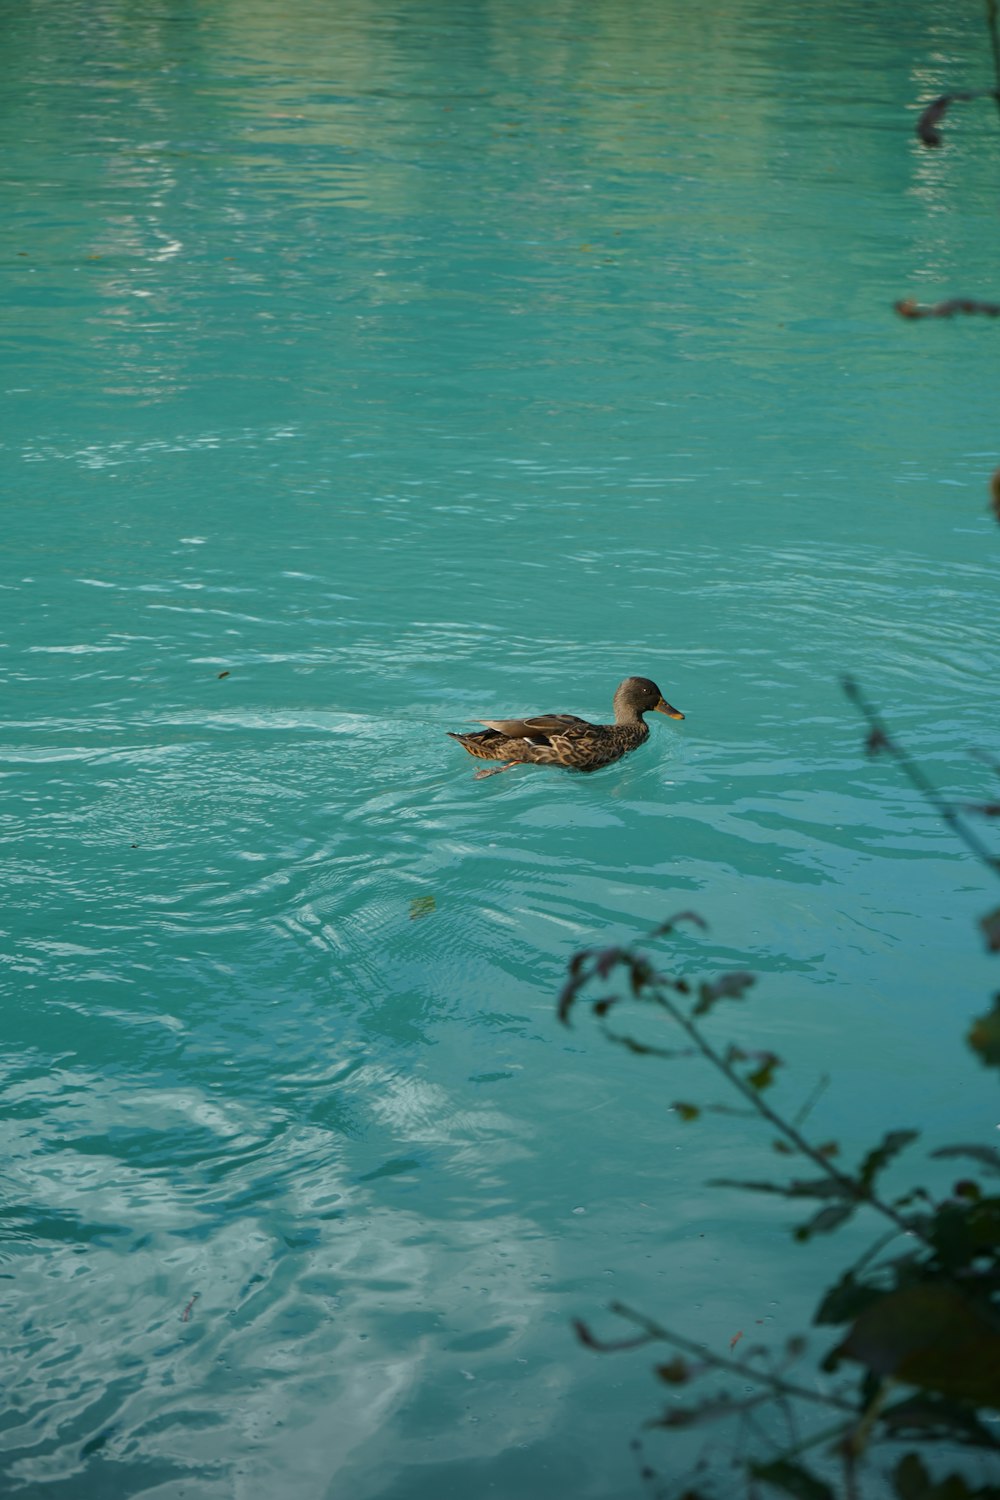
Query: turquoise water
366, 371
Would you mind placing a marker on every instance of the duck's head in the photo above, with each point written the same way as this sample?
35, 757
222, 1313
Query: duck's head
637, 696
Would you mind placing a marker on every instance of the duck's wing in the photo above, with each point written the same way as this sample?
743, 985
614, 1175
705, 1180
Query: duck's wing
540, 727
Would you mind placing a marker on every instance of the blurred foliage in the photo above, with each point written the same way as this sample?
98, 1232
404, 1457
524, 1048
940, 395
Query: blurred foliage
918, 1357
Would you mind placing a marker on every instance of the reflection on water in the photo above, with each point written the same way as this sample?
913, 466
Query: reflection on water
371, 374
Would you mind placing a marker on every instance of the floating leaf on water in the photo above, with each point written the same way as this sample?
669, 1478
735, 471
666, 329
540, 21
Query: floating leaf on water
421, 906
909, 307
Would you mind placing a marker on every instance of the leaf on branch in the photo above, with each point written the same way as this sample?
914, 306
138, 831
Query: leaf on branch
608, 959
641, 974
932, 1418
567, 998
643, 1049
686, 1111
608, 1346
733, 1110
827, 1220
892, 1144
577, 962
706, 1411
915, 1195
988, 1156
984, 1036
984, 809
814, 1187
911, 1481
846, 1299
961, 1231
681, 916
928, 1335
675, 1372
763, 1076
730, 986
792, 1479
995, 493
991, 930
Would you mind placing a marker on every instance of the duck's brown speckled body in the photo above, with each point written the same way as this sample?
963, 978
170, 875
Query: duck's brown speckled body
565, 740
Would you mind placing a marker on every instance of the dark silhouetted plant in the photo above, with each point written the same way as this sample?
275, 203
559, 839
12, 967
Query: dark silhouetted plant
917, 1360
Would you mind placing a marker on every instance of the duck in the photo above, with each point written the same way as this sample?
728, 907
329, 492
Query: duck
563, 739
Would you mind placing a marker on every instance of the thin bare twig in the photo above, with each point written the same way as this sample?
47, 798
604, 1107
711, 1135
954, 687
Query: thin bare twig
849, 1187
736, 1367
881, 739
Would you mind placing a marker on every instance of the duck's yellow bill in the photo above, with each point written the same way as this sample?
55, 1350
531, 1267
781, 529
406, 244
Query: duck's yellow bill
663, 707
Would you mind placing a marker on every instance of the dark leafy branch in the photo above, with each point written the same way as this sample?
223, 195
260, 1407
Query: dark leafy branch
667, 994
922, 1325
881, 741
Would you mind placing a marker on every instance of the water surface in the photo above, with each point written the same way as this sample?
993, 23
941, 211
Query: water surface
364, 374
